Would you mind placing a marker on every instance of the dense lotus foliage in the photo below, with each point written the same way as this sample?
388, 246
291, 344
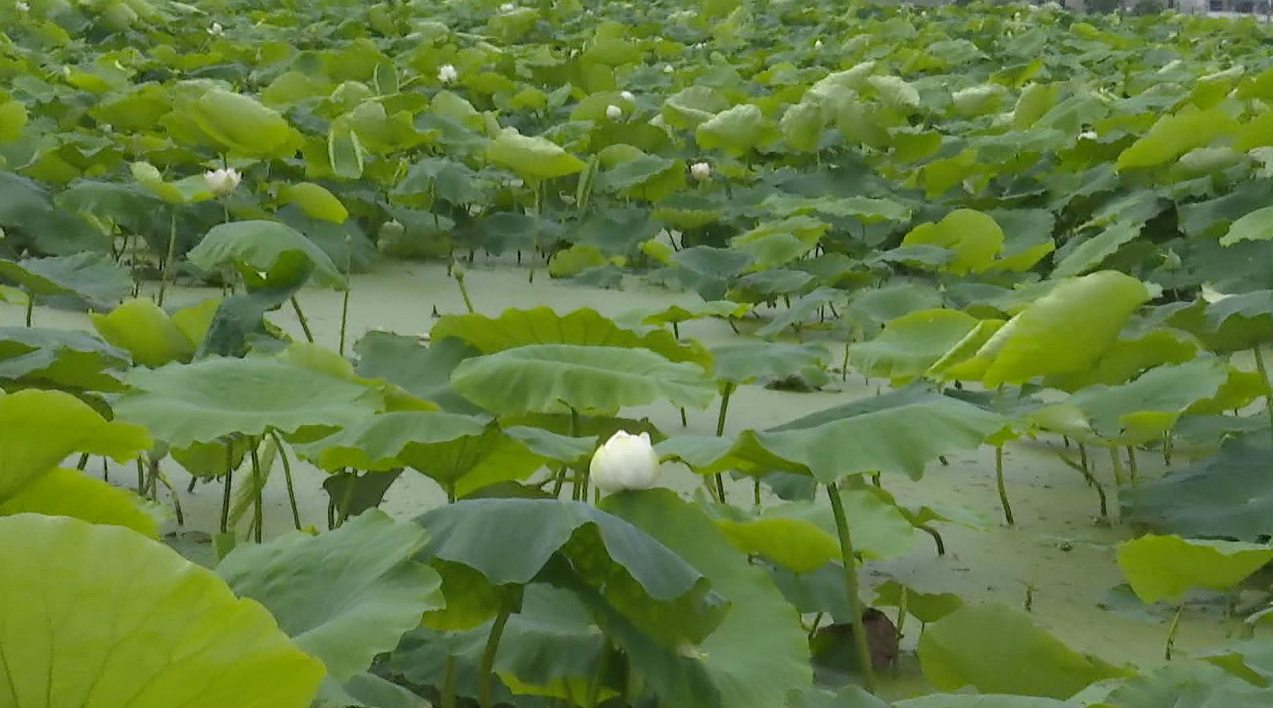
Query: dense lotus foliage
1017, 224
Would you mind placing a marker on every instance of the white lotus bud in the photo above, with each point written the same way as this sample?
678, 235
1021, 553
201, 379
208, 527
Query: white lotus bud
447, 73
817, 44
627, 96
613, 112
1088, 135
667, 69
701, 171
625, 461
222, 181
216, 30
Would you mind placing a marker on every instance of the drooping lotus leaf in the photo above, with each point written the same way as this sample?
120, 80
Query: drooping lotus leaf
551, 647
315, 201
759, 651
761, 361
1066, 330
200, 402
423, 371
923, 606
242, 125
800, 310
93, 277
1130, 356
118, 620
64, 359
1088, 254
143, 329
1013, 655
1168, 567
266, 253
188, 190
343, 596
638, 577
873, 307
910, 344
1229, 495
544, 377
974, 237
532, 158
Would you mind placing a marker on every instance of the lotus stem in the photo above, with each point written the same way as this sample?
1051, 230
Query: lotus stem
349, 287
1117, 465
1171, 632
1166, 448
229, 478
30, 306
287, 475
726, 392
486, 670
1264, 376
1003, 493
168, 257
1083, 461
684, 421
141, 477
1131, 463
937, 539
464, 291
176, 500
676, 330
106, 470
258, 512
300, 316
594, 683
851, 587
755, 492
449, 680
83, 462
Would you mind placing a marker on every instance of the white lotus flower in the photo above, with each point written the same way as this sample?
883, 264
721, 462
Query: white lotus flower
817, 44
1088, 135
701, 171
627, 96
625, 461
222, 181
22, 7
447, 73
613, 112
507, 7
667, 69
216, 30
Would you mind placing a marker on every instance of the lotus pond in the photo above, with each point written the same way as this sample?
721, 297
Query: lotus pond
671, 354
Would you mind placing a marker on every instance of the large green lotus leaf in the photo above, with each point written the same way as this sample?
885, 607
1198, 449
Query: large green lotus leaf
1175, 135
943, 700
1066, 330
871, 308
734, 131
200, 402
544, 377
867, 209
1255, 226
315, 201
93, 277
144, 330
910, 344
801, 126
39, 429
707, 270
345, 595
1012, 655
759, 651
1231, 323
960, 362
1168, 567
114, 619
1091, 252
760, 361
268, 251
55, 358
531, 158
63, 492
1186, 684
1250, 659
551, 647
243, 126
974, 236
1130, 356
1164, 389
692, 106
800, 310
1229, 495
577, 545
422, 371
542, 325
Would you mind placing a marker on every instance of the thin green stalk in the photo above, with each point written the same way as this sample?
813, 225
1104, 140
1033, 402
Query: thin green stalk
106, 470
1131, 463
464, 291
1171, 632
141, 478
287, 475
30, 306
176, 500
225, 495
296, 305
1264, 376
844, 366
168, 258
851, 587
258, 510
485, 670
82, 463
725, 393
1117, 464
755, 492
595, 681
1003, 493
349, 287
449, 681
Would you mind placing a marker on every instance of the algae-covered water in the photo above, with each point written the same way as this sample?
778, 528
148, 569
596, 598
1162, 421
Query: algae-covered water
1060, 552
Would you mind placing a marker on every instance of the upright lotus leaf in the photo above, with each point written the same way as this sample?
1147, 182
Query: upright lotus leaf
188, 190
574, 544
1066, 330
343, 596
735, 131
974, 236
203, 401
910, 344
1229, 495
544, 377
242, 125
760, 361
1168, 567
959, 362
56, 358
534, 159
143, 329
1175, 135
265, 253
896, 93
1147, 407
93, 277
758, 653
1013, 656
115, 619
801, 126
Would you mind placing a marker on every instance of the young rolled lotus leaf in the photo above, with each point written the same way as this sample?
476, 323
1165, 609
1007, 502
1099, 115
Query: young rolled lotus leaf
909, 345
545, 377
119, 620
1014, 657
266, 254
1168, 567
212, 398
91, 277
343, 596
62, 359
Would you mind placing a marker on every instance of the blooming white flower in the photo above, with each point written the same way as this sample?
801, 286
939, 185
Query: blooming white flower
701, 171
22, 7
625, 461
613, 112
222, 181
216, 30
817, 44
447, 74
507, 7
627, 96
667, 69
1088, 135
